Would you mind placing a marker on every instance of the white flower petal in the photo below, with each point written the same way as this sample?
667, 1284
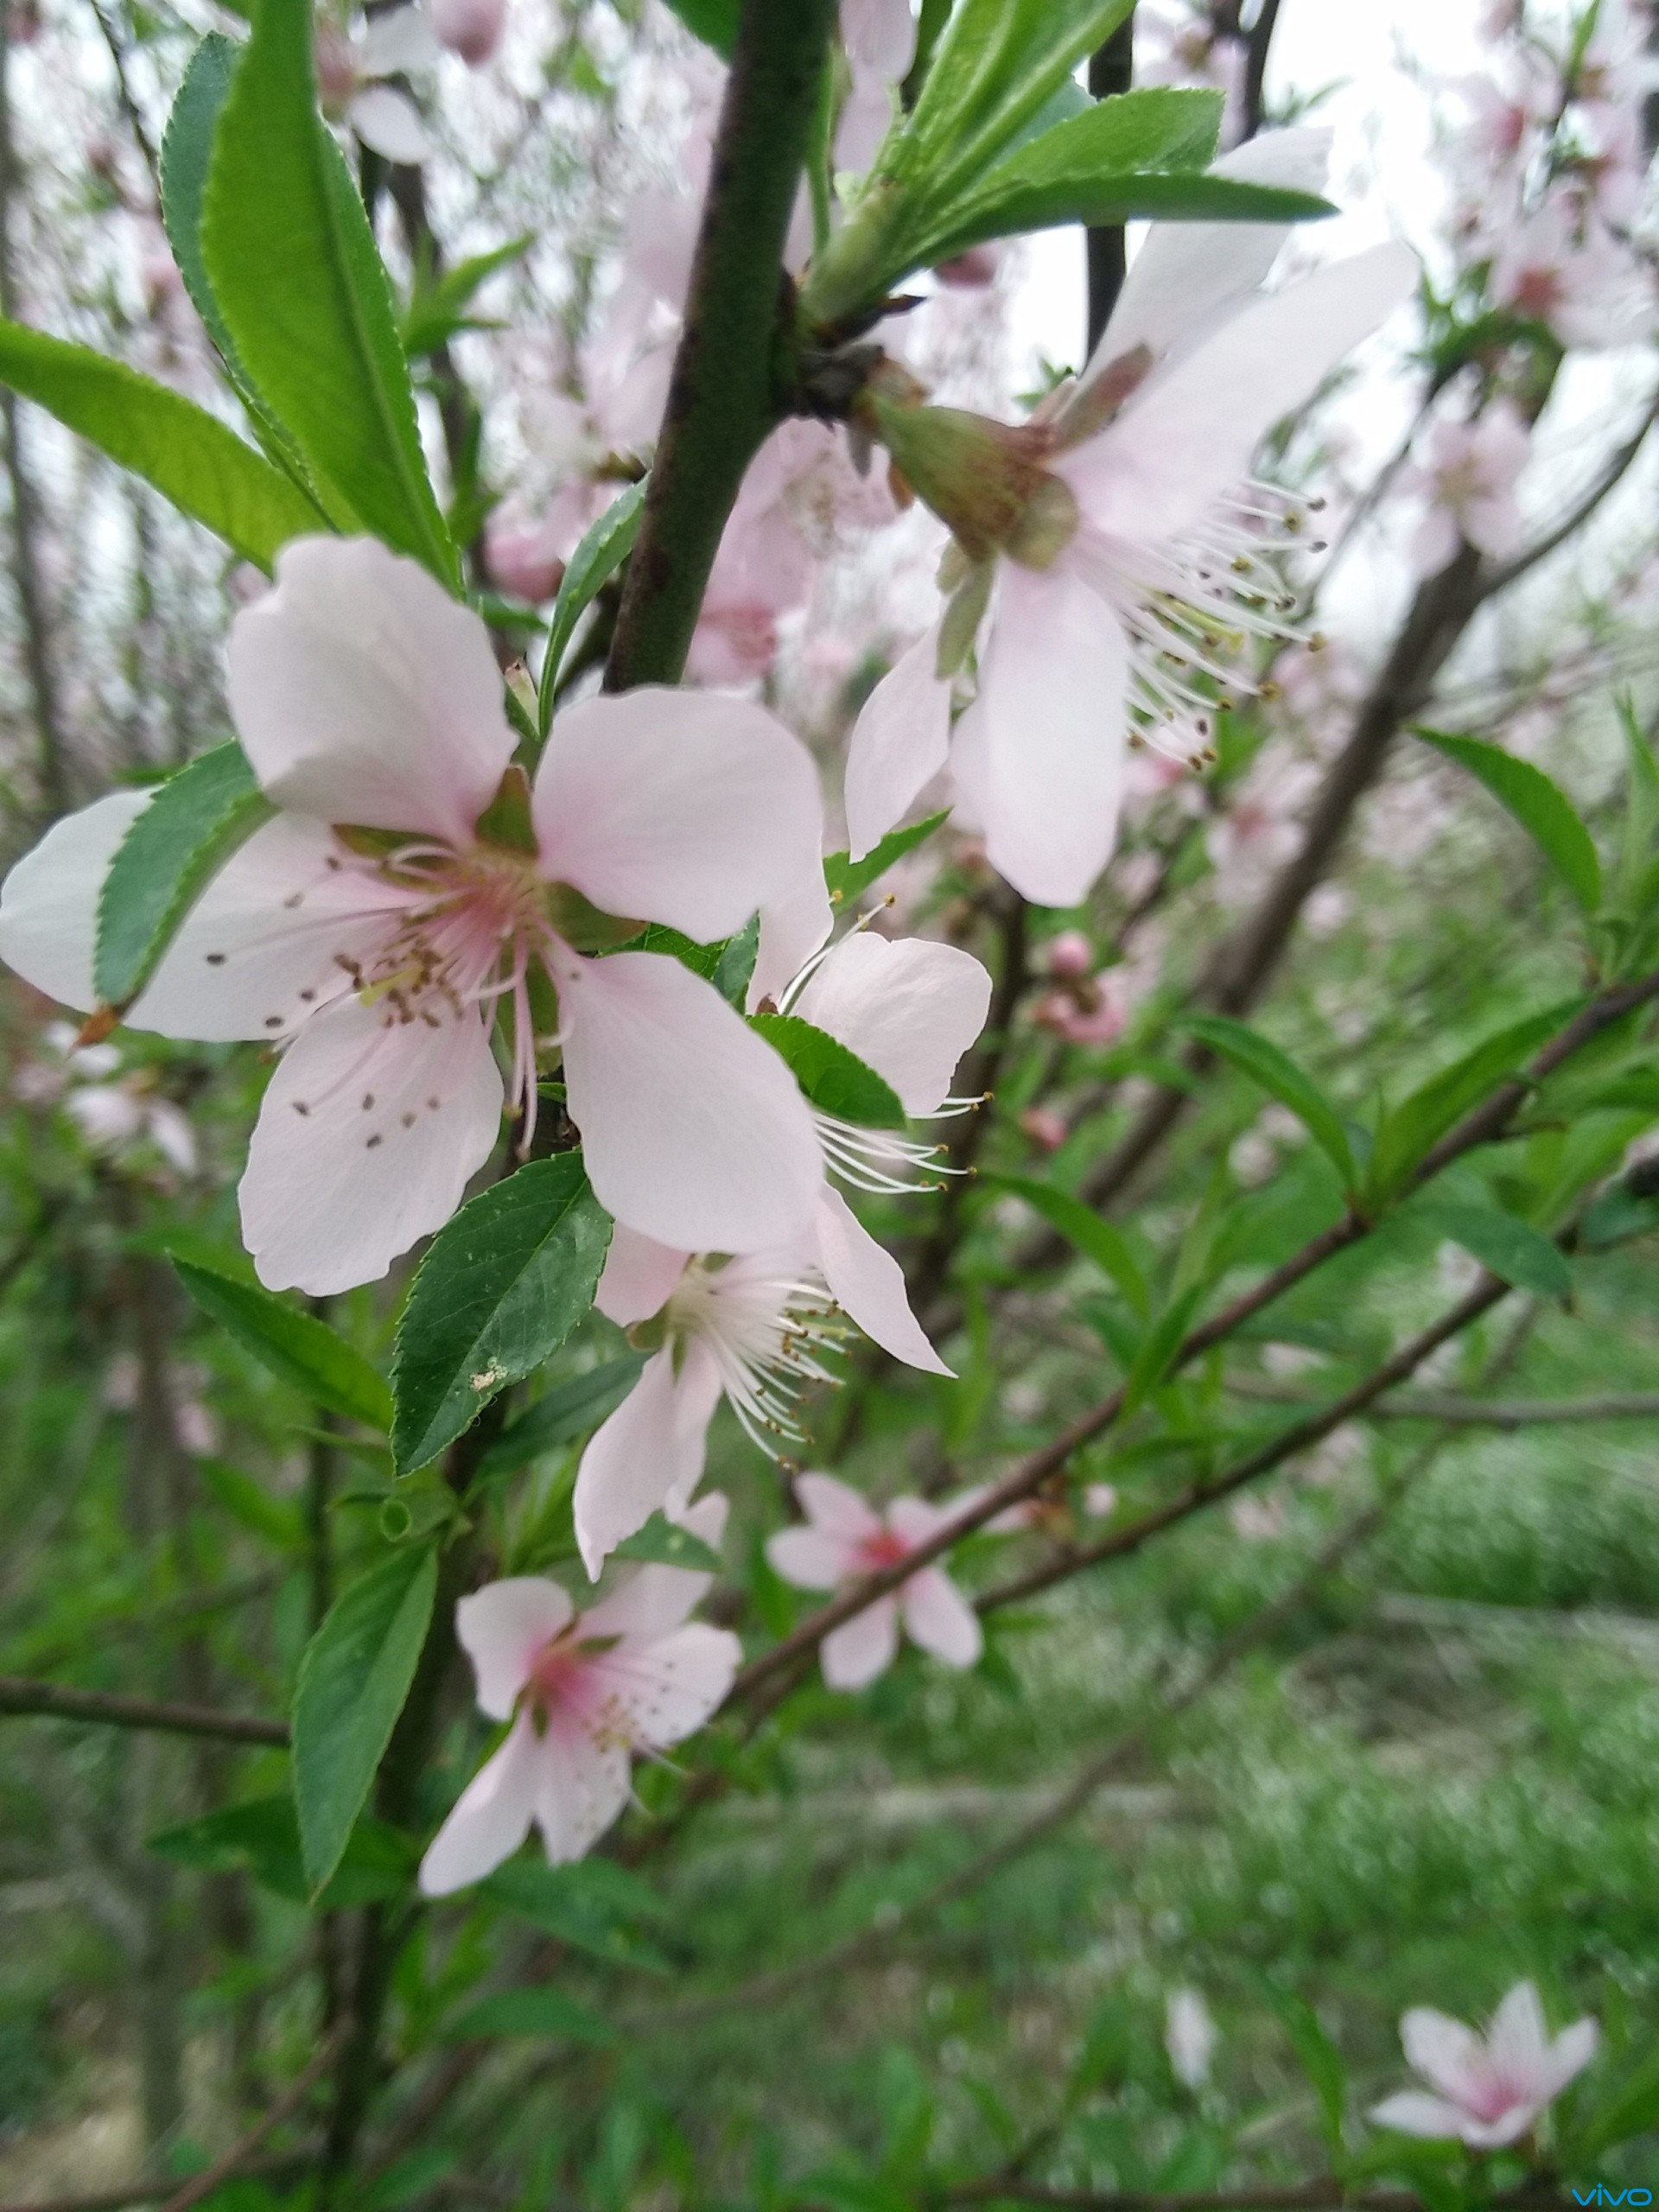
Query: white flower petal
638, 1278
940, 1619
369, 1131
837, 1508
1039, 754
491, 1818
650, 1446
1414, 2112
363, 693
388, 123
402, 38
693, 1130
261, 950
652, 1601
48, 903
1447, 2053
811, 1559
908, 1007
792, 927
668, 1687
1517, 2042
583, 1786
502, 1628
1570, 2053
1188, 436
868, 1283
900, 742
680, 807
862, 1647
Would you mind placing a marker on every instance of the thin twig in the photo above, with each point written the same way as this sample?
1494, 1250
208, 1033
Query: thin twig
203, 2185
60, 1702
1473, 1413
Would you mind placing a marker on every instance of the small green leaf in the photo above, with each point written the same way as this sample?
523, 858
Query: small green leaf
1421, 1120
834, 1080
1507, 1246
275, 1521
1250, 1052
500, 1288
540, 2013
591, 1905
735, 971
1631, 2108
190, 456
1167, 196
297, 1348
1539, 805
439, 310
662, 1543
595, 560
262, 1835
292, 264
352, 1682
568, 1410
196, 821
1158, 1348
1093, 1236
714, 21
846, 879
1319, 2057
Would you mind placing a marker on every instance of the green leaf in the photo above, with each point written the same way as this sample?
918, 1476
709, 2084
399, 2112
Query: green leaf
1509, 1246
190, 456
1537, 804
1319, 2057
275, 1521
1089, 1232
530, 2012
569, 1410
1176, 195
662, 1543
834, 1080
1158, 1348
352, 1682
1618, 1215
438, 310
1631, 2109
501, 1286
1253, 1055
735, 970
293, 266
846, 879
595, 560
1641, 812
263, 1836
1421, 1120
194, 824
297, 1348
591, 1905
714, 21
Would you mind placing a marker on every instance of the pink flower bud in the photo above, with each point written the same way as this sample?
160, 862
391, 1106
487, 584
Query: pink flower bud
1070, 954
336, 70
971, 272
471, 29
1044, 1127
522, 563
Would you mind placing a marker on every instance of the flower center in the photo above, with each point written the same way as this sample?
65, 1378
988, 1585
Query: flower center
765, 1333
882, 1548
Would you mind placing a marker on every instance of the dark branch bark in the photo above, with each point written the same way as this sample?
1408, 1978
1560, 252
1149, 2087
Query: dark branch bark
725, 392
1255, 66
1111, 70
60, 1702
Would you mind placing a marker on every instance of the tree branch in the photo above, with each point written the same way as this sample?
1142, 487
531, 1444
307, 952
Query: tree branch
724, 395
1110, 71
203, 2185
60, 1702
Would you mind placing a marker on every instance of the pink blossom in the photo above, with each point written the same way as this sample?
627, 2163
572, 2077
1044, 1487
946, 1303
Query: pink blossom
845, 1539
880, 38
1091, 1010
1068, 955
471, 29
372, 932
1468, 472
1046, 1128
349, 75
585, 1693
522, 559
1486, 2091
1127, 623
973, 272
1570, 274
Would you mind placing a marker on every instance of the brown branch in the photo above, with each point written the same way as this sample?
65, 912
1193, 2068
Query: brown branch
1110, 71
1511, 571
1474, 1413
1255, 66
202, 2185
59, 1701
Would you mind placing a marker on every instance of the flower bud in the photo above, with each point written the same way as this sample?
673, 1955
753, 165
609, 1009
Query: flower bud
985, 480
471, 29
1070, 954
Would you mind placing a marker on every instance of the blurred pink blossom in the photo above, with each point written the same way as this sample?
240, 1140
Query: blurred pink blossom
1468, 474
471, 29
1487, 2090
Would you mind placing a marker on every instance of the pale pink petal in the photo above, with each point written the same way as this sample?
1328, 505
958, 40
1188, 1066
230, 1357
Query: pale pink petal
388, 123
48, 903
1447, 2053
862, 1647
900, 742
916, 1519
502, 1628
1517, 2042
491, 1818
363, 693
369, 1131
1435, 541
693, 1130
908, 1007
669, 1687
638, 1278
1414, 2112
867, 1283
939, 1618
652, 1601
262, 949
170, 1132
792, 927
1188, 436
649, 1446
1570, 2053
837, 1508
1039, 755
879, 35
1187, 275
581, 1787
677, 807
810, 1559
864, 119
1509, 2127
401, 39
